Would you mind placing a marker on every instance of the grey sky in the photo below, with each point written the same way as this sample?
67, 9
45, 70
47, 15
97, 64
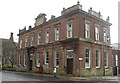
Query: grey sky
15, 14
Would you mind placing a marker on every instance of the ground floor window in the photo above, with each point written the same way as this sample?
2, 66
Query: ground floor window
97, 58
87, 58
25, 59
47, 57
19, 60
38, 59
56, 58
105, 59
116, 60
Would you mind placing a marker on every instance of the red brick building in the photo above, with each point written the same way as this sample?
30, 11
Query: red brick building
77, 42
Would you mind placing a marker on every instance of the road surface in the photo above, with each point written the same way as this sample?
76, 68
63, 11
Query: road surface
11, 77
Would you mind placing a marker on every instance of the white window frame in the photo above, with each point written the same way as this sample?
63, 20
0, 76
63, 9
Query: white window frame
38, 38
97, 33
97, 57
32, 40
47, 36
87, 58
106, 66
26, 41
25, 59
38, 59
19, 60
116, 56
46, 57
69, 30
56, 58
57, 34
20, 43
87, 30
105, 34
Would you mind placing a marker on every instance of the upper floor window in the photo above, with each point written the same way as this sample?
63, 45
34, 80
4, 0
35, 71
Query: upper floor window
47, 57
56, 34
87, 30
97, 59
69, 30
25, 41
20, 43
105, 59
32, 39
38, 59
47, 36
105, 35
56, 58
38, 38
87, 58
96, 33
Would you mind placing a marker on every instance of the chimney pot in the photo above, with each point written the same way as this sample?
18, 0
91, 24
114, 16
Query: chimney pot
11, 36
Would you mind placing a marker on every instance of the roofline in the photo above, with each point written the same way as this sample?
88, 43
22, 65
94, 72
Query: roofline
66, 15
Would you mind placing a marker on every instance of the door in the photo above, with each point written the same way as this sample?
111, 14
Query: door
30, 64
31, 61
114, 71
69, 66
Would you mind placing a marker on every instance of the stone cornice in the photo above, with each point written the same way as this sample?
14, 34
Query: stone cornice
95, 42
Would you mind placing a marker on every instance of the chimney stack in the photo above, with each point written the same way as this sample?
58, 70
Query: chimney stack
11, 36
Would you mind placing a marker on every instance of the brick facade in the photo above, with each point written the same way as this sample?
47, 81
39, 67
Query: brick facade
71, 49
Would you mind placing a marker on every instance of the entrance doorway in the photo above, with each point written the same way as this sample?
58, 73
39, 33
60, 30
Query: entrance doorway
30, 65
69, 64
114, 71
31, 61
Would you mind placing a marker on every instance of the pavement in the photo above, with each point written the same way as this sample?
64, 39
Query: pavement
69, 77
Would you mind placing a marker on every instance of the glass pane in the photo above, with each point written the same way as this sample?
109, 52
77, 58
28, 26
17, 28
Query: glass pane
87, 52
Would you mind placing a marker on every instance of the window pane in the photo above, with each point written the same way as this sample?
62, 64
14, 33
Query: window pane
87, 30
69, 30
87, 61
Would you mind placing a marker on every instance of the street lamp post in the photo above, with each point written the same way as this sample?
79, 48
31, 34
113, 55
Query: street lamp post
80, 59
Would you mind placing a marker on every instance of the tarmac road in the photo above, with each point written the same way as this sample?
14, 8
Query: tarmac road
11, 77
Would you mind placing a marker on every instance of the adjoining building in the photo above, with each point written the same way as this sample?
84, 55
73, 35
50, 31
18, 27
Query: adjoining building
77, 43
116, 58
9, 52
